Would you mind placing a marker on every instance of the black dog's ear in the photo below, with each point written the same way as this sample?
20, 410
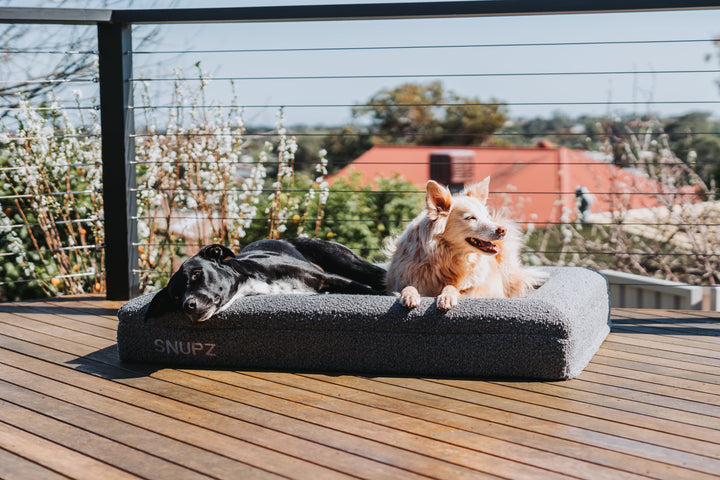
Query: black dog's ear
216, 252
161, 303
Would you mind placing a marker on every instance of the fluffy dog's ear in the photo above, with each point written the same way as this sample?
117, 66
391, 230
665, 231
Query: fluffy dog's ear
479, 190
216, 252
438, 199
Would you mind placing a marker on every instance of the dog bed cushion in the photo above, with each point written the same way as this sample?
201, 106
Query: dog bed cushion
551, 334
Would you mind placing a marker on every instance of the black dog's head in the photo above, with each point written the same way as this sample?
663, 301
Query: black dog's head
202, 285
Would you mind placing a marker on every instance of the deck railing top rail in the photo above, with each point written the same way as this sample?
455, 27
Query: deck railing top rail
368, 11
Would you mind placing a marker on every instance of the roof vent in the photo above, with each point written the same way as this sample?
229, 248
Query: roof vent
453, 168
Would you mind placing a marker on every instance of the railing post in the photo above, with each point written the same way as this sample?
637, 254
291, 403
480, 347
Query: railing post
118, 152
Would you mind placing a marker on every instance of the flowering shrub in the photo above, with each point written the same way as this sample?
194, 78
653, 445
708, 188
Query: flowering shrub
51, 202
203, 180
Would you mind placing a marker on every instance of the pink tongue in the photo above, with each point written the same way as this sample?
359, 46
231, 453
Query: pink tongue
490, 248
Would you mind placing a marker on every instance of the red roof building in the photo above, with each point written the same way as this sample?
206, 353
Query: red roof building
537, 184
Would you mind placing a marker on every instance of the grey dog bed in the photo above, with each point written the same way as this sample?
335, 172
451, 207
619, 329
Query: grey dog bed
552, 334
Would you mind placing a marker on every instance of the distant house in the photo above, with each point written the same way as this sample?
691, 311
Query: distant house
541, 184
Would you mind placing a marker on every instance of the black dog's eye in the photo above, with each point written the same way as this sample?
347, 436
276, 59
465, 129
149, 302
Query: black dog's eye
195, 275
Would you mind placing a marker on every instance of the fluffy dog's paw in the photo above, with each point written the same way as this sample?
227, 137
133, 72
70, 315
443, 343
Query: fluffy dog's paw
410, 297
448, 298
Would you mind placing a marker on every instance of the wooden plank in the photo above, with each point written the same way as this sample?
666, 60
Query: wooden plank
678, 387
392, 461
200, 453
669, 344
471, 450
249, 433
68, 319
647, 405
544, 415
707, 325
645, 415
95, 312
639, 392
17, 468
708, 315
553, 453
704, 364
79, 438
56, 456
659, 374
84, 405
705, 335
33, 324
411, 452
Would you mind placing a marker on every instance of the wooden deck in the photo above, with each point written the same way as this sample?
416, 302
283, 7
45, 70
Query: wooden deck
647, 406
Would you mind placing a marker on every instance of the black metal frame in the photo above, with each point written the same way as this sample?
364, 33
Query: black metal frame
118, 152
115, 49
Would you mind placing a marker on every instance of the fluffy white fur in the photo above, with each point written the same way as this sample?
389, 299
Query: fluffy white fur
456, 248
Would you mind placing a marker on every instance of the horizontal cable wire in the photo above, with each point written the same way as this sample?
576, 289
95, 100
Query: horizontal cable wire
619, 223
99, 246
48, 194
49, 279
428, 75
51, 80
381, 192
31, 51
60, 165
57, 222
528, 251
460, 105
50, 109
428, 47
54, 137
275, 162
409, 134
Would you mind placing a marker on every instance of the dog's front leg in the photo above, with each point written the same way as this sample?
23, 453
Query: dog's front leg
448, 297
410, 297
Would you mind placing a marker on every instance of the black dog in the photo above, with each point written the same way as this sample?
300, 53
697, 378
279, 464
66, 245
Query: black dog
208, 282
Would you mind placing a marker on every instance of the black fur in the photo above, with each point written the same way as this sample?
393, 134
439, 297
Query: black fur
206, 282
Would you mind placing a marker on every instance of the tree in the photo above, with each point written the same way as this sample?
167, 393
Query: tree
428, 115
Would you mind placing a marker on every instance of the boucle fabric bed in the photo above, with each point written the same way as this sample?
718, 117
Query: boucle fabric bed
552, 334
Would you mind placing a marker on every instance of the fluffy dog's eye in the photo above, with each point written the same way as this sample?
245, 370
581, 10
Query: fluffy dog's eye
471, 218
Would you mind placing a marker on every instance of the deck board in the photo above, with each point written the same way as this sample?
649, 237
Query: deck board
647, 406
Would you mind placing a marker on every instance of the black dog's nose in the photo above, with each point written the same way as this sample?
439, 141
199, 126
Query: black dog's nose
189, 305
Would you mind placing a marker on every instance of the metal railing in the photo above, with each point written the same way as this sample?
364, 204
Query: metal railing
116, 80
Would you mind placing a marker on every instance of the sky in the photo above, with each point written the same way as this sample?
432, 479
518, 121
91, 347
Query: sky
555, 75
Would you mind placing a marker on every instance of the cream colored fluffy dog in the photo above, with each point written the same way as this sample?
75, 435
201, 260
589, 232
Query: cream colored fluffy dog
455, 248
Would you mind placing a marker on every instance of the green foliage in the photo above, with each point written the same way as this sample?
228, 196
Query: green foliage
362, 217
429, 115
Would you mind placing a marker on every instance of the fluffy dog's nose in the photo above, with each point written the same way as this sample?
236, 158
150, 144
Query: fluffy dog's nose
500, 232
